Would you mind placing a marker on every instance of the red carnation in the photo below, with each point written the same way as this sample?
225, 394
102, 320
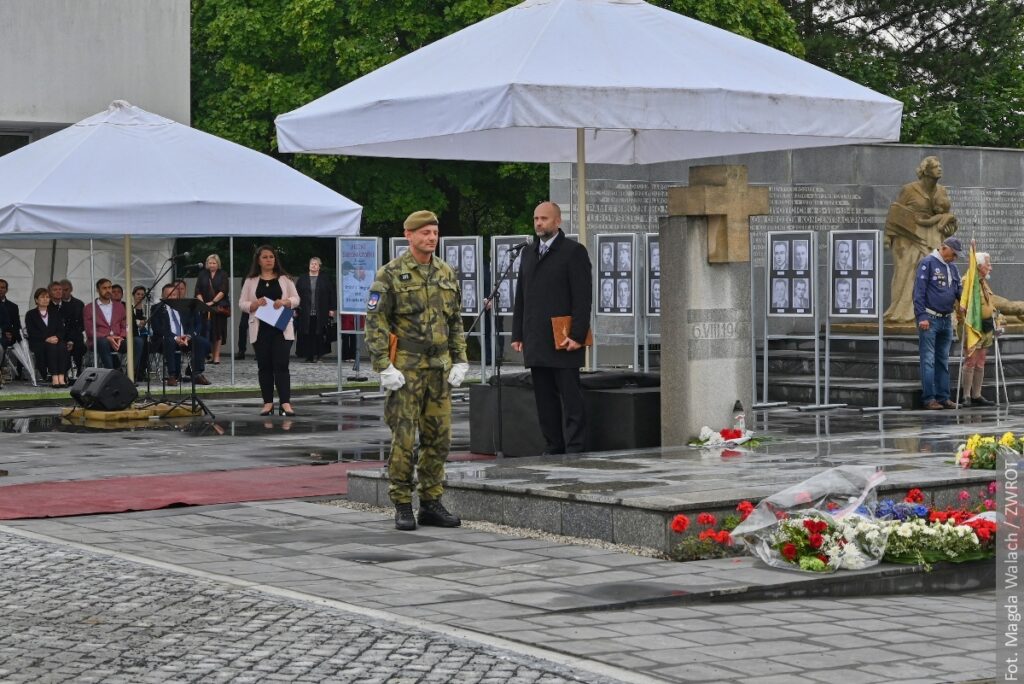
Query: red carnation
745, 508
680, 523
789, 551
706, 519
706, 534
915, 495
815, 526
730, 433
723, 537
832, 505
823, 558
815, 540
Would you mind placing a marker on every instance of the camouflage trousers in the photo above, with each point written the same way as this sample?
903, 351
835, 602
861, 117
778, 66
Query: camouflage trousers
423, 405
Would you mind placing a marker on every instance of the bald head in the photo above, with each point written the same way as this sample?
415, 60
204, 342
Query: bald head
547, 218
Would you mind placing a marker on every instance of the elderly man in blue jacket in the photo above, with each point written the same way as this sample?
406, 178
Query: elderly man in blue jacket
937, 290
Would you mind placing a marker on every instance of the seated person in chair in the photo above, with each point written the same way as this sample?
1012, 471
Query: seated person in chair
178, 332
109, 317
46, 339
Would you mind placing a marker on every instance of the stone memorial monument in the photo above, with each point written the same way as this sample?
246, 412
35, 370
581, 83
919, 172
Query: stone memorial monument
706, 320
917, 223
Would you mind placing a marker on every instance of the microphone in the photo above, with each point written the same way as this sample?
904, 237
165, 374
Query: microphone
516, 249
199, 266
183, 255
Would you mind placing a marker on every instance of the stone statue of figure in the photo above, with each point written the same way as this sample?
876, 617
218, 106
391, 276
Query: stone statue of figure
917, 223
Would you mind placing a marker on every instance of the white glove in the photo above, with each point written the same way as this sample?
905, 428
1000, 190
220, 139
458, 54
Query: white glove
391, 378
457, 374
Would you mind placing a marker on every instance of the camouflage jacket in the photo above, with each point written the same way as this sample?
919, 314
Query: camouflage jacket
423, 311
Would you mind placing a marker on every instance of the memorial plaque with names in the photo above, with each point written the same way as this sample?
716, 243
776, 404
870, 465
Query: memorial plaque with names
791, 276
853, 269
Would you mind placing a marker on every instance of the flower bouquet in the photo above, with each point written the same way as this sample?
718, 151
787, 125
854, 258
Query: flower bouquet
943, 537
820, 525
726, 437
982, 452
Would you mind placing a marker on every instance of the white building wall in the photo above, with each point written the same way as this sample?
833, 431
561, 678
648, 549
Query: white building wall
64, 60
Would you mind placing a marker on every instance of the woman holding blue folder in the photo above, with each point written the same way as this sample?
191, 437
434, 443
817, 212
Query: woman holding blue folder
268, 296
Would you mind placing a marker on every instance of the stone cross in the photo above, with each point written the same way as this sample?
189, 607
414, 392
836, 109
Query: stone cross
721, 193
706, 346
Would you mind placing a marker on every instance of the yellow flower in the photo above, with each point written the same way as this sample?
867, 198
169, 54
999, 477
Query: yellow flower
973, 442
988, 440
1008, 440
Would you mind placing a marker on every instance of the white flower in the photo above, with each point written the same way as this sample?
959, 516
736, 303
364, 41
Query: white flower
706, 433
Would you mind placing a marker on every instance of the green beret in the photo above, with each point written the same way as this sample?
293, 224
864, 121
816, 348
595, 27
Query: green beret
418, 219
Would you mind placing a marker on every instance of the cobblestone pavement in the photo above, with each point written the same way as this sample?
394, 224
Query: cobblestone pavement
74, 616
488, 586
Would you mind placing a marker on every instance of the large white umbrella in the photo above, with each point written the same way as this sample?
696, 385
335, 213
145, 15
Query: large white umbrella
646, 84
128, 172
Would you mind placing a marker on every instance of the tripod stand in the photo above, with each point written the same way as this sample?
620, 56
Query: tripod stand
494, 300
189, 310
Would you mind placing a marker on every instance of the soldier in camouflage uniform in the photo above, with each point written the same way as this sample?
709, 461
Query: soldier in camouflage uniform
416, 297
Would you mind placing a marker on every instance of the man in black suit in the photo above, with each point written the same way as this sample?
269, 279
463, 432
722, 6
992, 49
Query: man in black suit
554, 280
178, 332
10, 318
73, 311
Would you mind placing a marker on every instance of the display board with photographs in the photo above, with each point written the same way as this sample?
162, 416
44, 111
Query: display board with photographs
465, 256
853, 261
653, 274
615, 260
397, 247
790, 273
501, 247
360, 259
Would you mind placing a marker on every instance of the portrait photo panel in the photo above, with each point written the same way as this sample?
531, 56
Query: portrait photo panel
853, 284
789, 271
501, 249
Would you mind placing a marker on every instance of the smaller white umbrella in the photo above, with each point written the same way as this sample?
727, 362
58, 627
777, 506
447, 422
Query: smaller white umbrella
127, 171
21, 352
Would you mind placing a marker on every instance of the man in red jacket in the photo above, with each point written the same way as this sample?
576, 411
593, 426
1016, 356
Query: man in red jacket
109, 317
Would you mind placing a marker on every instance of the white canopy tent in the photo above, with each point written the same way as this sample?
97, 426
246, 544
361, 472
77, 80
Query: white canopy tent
645, 84
126, 172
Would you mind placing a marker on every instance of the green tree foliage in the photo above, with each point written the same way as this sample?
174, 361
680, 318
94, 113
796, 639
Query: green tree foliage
255, 59
955, 64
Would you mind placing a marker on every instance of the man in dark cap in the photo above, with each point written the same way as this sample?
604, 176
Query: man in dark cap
937, 290
415, 298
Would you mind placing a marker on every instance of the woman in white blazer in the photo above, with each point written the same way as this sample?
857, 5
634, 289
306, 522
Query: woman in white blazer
267, 283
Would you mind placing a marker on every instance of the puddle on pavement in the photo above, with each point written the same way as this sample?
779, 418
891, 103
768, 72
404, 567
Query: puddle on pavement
604, 487
198, 428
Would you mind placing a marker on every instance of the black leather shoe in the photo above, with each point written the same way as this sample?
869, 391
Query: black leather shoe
981, 401
404, 519
435, 514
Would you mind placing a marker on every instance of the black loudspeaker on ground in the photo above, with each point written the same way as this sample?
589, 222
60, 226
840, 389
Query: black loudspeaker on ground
102, 389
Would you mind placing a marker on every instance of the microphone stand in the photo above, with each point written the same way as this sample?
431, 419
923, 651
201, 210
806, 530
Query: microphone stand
495, 299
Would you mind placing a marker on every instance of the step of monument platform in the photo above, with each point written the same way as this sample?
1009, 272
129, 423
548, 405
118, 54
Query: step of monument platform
629, 497
798, 389
846, 364
895, 345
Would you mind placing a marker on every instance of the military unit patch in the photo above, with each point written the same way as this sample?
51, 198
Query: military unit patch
371, 304
405, 276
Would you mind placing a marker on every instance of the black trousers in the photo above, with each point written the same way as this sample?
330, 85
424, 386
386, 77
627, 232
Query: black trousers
243, 333
558, 395
272, 352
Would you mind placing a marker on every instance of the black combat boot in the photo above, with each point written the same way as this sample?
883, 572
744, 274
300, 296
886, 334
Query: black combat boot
404, 519
433, 513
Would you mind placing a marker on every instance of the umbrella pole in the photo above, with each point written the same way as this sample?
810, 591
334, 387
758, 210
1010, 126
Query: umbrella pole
581, 209
129, 318
92, 278
337, 309
232, 326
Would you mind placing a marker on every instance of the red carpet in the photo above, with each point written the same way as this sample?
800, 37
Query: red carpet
150, 492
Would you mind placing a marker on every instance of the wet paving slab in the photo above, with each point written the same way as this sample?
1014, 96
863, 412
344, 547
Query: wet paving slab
628, 497
37, 445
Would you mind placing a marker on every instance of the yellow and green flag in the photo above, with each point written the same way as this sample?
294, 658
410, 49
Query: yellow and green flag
970, 303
